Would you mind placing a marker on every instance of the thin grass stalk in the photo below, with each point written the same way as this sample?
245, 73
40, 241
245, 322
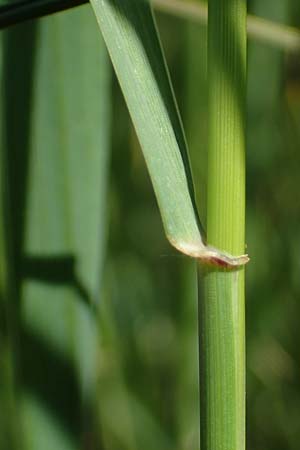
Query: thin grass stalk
221, 311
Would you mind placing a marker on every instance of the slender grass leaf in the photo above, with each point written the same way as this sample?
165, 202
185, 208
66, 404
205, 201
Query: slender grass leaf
132, 40
64, 226
10, 387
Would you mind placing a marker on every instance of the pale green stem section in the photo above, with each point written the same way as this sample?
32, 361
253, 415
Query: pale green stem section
221, 311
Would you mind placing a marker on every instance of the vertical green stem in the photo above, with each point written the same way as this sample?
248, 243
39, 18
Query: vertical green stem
221, 311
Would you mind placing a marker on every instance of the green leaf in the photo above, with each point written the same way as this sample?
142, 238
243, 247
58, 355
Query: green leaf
62, 126
132, 40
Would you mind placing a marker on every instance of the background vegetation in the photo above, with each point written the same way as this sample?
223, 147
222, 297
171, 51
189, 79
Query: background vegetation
98, 331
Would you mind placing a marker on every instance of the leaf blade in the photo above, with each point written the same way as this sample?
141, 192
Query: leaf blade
129, 30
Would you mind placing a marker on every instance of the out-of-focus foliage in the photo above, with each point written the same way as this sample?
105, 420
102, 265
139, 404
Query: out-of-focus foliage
273, 237
122, 373
56, 121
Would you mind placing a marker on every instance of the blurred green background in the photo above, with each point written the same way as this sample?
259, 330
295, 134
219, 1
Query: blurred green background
98, 314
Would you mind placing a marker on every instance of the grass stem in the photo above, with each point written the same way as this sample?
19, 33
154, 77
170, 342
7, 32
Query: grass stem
221, 311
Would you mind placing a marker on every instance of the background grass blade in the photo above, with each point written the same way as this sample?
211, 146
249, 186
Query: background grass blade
9, 386
13, 168
67, 203
60, 220
270, 95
